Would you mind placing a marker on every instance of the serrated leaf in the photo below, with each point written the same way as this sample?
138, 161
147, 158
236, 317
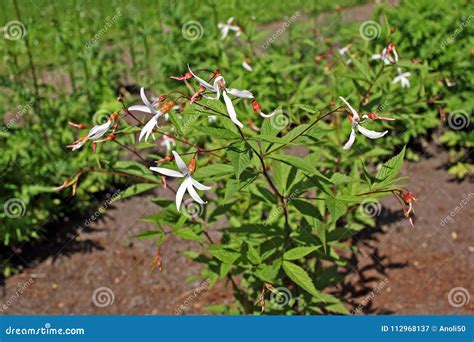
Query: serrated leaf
225, 255
148, 234
133, 190
336, 208
240, 156
134, 168
220, 133
391, 168
298, 252
213, 171
187, 234
300, 164
300, 277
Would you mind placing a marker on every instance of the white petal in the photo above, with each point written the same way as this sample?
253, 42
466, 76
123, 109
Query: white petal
200, 186
266, 116
370, 134
145, 100
354, 113
231, 110
230, 20
139, 109
193, 193
351, 140
201, 81
245, 94
167, 172
77, 145
396, 79
180, 193
97, 131
224, 31
247, 66
148, 128
180, 163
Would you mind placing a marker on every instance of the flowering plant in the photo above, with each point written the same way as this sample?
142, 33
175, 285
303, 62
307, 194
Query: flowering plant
283, 204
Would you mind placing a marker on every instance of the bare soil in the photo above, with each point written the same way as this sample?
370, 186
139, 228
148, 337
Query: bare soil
401, 270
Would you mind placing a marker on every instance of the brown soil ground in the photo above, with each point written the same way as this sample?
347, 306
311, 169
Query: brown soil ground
413, 269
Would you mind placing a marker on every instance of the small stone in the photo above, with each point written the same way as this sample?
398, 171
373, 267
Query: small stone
454, 235
54, 286
424, 245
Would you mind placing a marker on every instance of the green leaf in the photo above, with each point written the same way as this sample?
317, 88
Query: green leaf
187, 234
149, 234
225, 255
253, 255
220, 133
391, 168
135, 168
298, 252
240, 156
133, 190
213, 171
300, 164
336, 208
300, 277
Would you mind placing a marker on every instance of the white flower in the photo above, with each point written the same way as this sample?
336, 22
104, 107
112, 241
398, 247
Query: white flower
355, 124
211, 118
402, 78
385, 56
167, 142
148, 108
95, 133
188, 184
344, 51
246, 66
218, 87
225, 28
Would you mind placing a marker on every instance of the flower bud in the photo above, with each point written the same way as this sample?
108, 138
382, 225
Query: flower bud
192, 165
373, 116
408, 196
256, 106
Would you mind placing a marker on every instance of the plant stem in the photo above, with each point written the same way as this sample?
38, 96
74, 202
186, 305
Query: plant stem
31, 63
